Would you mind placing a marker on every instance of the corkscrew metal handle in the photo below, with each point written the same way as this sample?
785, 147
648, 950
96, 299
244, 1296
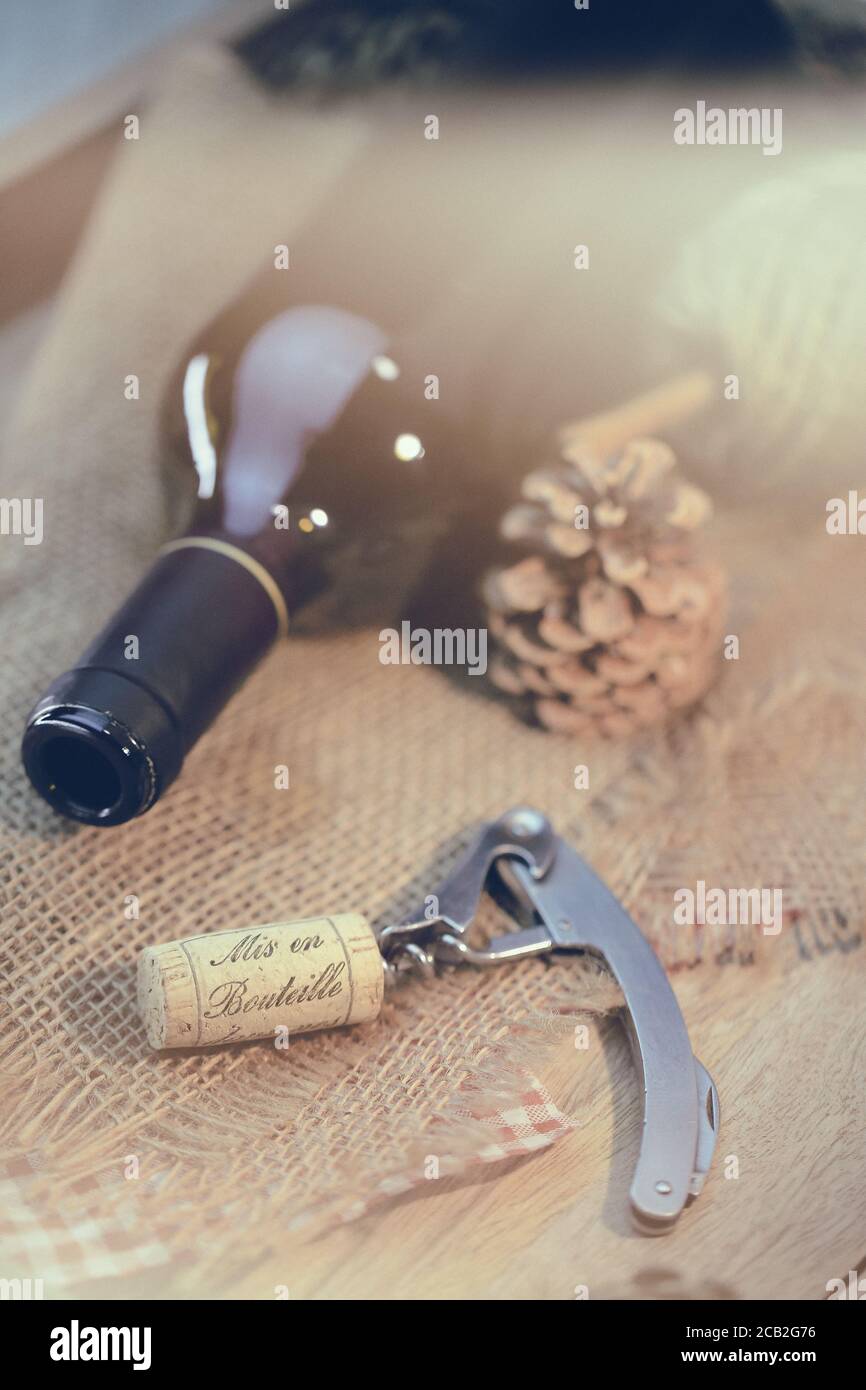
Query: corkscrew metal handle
568, 907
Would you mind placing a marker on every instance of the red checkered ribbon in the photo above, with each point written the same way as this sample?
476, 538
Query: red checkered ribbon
54, 1253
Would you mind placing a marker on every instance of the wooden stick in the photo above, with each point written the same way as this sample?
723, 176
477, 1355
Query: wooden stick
648, 414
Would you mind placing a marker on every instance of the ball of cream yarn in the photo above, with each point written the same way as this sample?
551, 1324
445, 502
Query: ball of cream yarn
774, 294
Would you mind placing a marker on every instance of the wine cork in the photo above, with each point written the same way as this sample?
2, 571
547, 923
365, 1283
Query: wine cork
253, 982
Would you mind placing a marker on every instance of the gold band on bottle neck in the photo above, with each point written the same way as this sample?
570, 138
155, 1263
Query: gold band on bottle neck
253, 567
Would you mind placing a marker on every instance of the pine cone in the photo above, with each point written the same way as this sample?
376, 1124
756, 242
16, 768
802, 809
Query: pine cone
611, 622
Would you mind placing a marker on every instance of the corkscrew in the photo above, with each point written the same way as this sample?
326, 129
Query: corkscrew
560, 904
324, 972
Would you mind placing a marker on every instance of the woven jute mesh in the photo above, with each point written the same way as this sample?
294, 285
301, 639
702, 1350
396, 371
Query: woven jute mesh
390, 769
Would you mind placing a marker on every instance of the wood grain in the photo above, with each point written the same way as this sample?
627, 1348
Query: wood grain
786, 1043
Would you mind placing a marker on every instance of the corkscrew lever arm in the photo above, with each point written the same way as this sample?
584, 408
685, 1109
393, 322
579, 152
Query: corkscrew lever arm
680, 1114
572, 909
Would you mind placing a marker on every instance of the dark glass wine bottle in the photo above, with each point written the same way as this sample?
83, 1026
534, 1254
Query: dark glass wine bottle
319, 472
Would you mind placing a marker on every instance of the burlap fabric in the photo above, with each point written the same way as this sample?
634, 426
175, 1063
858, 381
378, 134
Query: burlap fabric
390, 767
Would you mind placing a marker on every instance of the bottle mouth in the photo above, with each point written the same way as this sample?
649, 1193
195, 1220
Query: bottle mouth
88, 766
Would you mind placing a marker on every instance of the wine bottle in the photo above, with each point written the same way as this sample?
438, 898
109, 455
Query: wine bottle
317, 474
312, 461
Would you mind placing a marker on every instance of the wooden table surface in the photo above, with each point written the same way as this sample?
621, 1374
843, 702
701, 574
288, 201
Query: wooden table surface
786, 1044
